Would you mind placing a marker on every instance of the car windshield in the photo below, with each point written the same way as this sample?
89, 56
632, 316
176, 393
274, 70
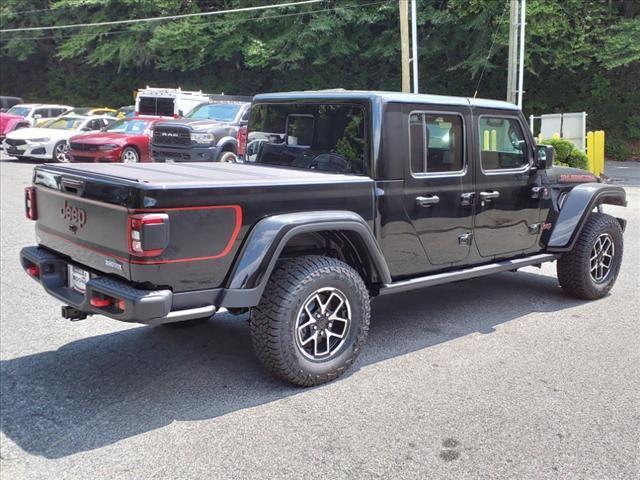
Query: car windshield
66, 123
325, 137
215, 111
133, 126
17, 110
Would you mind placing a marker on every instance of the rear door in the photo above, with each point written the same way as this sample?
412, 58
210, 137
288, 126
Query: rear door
439, 183
508, 205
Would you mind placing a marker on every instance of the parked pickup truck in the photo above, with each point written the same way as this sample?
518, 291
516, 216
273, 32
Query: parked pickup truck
344, 196
209, 132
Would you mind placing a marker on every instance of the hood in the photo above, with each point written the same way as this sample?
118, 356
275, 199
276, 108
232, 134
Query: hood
569, 176
196, 124
35, 132
101, 138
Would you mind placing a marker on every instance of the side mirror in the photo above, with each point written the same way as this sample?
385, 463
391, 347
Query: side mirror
545, 155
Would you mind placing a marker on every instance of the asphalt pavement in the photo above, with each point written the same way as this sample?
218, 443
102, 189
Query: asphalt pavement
500, 377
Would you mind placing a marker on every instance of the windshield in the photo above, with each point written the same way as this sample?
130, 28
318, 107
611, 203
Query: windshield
325, 137
215, 111
66, 123
130, 126
17, 110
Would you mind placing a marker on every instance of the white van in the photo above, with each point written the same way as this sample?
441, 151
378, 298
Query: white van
167, 102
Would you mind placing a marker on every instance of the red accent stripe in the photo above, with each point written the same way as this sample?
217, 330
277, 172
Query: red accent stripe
223, 253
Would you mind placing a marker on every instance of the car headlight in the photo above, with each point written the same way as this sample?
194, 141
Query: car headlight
107, 146
202, 137
39, 140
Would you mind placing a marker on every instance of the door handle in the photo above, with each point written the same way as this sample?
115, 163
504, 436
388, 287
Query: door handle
427, 201
466, 199
488, 196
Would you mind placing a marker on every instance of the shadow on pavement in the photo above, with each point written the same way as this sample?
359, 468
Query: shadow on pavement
97, 391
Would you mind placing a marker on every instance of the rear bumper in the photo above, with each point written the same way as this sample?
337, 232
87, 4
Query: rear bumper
160, 153
141, 306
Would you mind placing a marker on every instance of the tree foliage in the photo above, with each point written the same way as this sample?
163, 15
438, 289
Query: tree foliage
580, 55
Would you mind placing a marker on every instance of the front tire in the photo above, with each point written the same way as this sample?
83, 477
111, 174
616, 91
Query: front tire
228, 157
129, 155
60, 152
312, 320
589, 271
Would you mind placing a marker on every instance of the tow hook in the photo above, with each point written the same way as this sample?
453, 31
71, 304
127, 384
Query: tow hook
73, 314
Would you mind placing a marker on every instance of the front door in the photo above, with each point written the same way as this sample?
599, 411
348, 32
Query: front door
508, 204
439, 185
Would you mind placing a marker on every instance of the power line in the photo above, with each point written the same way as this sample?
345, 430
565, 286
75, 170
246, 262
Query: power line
242, 20
157, 19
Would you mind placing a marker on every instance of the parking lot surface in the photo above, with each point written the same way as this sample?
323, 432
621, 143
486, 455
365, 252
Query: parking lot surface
500, 377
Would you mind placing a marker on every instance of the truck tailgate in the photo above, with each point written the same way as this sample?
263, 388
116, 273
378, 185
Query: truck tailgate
90, 232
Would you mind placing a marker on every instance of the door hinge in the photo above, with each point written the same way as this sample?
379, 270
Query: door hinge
465, 238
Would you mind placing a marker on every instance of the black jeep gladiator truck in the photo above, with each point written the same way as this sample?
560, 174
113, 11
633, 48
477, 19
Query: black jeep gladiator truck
208, 133
343, 196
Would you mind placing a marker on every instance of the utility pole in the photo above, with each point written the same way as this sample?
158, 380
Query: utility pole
414, 45
404, 44
512, 73
523, 13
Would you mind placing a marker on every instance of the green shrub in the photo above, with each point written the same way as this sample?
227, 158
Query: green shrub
616, 148
567, 154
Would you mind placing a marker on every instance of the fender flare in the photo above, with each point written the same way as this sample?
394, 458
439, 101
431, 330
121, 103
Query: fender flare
580, 201
224, 141
264, 244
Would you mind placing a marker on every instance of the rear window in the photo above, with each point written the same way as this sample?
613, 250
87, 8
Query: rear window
21, 111
156, 106
326, 137
66, 123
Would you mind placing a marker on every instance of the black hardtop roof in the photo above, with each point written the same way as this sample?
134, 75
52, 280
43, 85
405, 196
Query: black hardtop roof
385, 97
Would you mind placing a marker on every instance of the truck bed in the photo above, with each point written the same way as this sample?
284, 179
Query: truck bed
84, 211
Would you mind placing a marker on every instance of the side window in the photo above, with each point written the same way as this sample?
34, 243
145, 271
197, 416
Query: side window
300, 130
56, 112
43, 112
502, 143
436, 143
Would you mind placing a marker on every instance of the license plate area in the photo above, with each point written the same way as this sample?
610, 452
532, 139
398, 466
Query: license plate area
78, 278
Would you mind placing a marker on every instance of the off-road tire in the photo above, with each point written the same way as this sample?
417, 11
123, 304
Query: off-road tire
227, 157
574, 266
274, 320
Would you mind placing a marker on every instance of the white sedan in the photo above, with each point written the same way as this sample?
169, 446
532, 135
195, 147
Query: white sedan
49, 142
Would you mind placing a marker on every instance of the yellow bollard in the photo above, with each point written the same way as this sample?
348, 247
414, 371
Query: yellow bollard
485, 142
591, 154
494, 141
599, 152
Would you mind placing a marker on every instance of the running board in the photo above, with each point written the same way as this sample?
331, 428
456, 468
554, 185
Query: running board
466, 273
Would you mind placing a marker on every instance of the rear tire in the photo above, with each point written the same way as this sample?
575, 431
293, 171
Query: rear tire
589, 271
312, 320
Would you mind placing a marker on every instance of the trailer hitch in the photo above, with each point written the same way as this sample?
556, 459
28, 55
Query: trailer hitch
73, 314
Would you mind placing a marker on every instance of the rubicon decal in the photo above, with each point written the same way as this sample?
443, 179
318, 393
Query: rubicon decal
74, 214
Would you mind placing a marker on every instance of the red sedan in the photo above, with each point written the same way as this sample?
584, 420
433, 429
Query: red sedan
125, 140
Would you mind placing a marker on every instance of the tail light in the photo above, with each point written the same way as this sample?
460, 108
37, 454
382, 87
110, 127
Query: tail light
148, 234
242, 140
33, 270
30, 206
